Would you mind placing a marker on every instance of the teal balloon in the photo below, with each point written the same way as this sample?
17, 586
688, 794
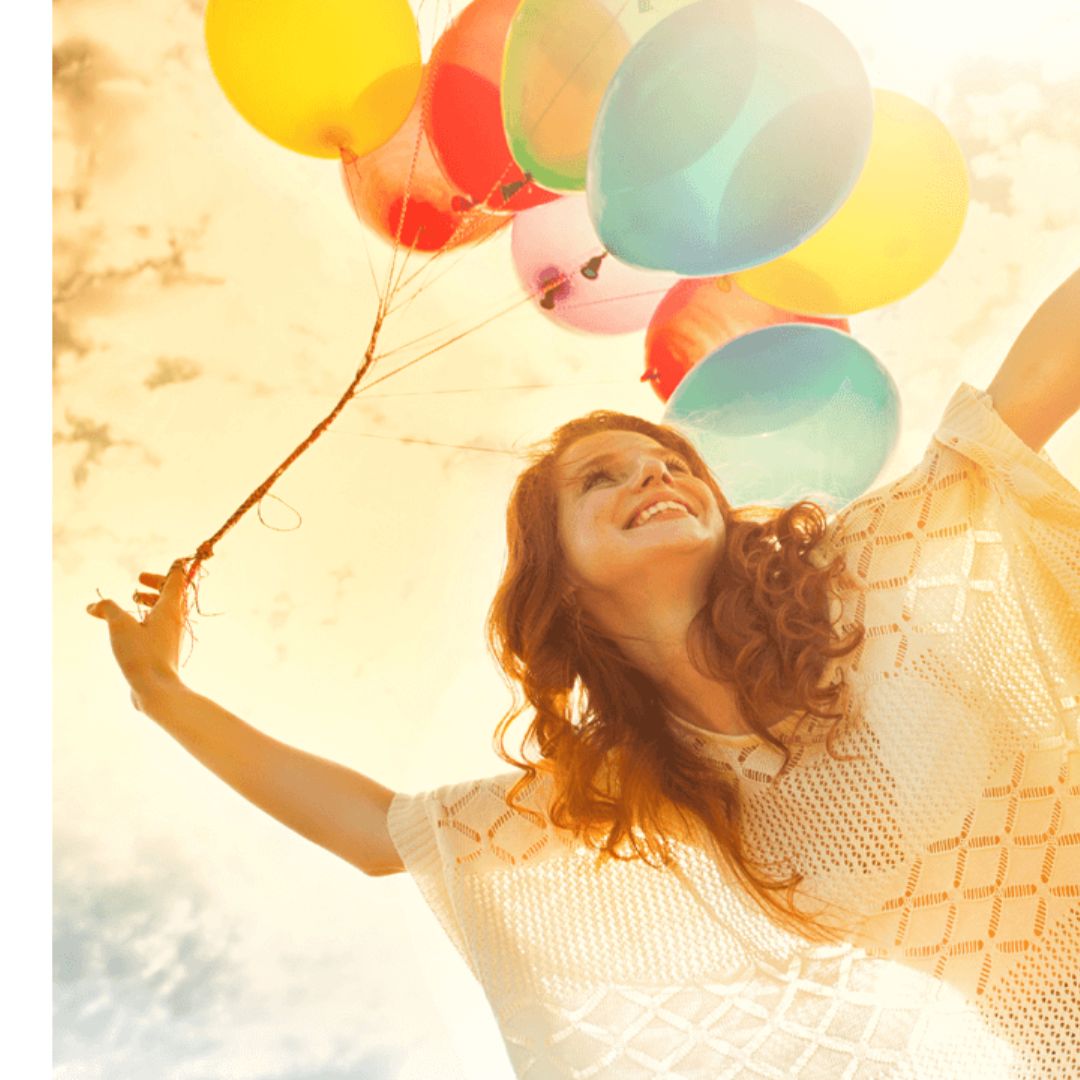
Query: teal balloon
789, 412
731, 132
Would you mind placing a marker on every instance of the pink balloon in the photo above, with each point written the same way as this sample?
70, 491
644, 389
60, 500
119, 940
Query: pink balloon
553, 243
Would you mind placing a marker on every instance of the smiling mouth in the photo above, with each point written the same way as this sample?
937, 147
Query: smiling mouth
669, 511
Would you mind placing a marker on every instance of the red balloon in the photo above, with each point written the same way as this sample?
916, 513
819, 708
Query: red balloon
463, 114
699, 316
376, 185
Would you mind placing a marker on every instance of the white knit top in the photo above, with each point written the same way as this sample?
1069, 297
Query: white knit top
949, 850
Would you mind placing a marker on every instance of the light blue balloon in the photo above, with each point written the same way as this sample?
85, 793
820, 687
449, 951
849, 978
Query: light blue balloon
789, 412
731, 132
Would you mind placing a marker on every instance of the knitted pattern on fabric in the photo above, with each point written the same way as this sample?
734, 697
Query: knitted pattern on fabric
947, 851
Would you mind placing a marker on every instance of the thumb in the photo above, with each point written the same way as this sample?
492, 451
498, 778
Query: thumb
109, 611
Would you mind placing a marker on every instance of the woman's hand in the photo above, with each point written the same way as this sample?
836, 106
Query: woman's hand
148, 652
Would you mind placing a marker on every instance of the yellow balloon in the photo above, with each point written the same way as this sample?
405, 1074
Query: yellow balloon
317, 75
894, 231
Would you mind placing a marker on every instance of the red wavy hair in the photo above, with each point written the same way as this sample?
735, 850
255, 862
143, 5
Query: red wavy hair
623, 783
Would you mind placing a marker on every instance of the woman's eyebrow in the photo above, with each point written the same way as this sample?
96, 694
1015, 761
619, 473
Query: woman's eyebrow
597, 459
613, 455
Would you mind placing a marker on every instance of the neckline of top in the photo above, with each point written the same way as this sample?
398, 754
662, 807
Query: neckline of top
711, 736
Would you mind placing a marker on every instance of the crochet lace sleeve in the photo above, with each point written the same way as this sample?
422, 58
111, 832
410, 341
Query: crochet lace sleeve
452, 833
965, 573
1032, 481
1035, 510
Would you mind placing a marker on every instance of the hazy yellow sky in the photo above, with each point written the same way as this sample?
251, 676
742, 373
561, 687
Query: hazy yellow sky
212, 301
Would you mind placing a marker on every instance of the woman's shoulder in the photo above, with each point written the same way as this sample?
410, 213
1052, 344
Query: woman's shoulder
501, 819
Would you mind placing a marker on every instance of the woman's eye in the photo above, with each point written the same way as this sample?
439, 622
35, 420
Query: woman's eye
676, 463
593, 476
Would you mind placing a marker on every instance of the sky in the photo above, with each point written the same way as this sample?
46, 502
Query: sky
211, 298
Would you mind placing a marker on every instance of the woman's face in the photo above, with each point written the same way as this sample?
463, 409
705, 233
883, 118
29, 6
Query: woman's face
604, 482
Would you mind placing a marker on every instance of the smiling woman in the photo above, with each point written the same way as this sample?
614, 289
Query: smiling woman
610, 619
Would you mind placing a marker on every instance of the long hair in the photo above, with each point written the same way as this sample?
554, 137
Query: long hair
623, 783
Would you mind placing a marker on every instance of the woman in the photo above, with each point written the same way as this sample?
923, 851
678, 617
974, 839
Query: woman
798, 799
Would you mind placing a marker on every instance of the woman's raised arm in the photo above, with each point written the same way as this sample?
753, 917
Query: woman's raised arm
1037, 387
334, 806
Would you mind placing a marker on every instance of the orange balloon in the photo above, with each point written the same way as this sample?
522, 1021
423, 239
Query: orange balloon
699, 316
436, 214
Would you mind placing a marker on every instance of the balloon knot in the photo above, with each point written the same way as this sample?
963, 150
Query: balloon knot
554, 285
592, 268
508, 191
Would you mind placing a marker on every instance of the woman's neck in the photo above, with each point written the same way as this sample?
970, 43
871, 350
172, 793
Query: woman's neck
656, 643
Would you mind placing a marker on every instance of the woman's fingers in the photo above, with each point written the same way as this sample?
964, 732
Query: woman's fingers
173, 591
159, 581
175, 580
171, 587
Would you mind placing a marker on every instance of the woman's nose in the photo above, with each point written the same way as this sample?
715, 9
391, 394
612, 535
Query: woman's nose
652, 470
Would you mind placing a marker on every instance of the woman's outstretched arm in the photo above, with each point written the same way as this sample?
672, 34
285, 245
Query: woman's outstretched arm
334, 806
1037, 387
337, 808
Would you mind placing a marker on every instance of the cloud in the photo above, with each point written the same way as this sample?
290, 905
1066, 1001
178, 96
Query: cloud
153, 978
140, 965
95, 440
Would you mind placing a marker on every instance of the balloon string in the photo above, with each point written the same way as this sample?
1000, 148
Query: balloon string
467, 224
271, 495
347, 160
490, 389
394, 284
612, 21
439, 348
391, 285
512, 301
206, 549
546, 287
468, 219
446, 268
612, 299
429, 442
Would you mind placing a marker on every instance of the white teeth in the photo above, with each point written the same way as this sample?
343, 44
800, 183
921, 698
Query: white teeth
655, 509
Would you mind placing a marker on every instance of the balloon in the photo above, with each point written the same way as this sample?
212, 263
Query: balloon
731, 131
316, 77
895, 230
551, 244
699, 316
560, 56
377, 184
790, 412
463, 117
